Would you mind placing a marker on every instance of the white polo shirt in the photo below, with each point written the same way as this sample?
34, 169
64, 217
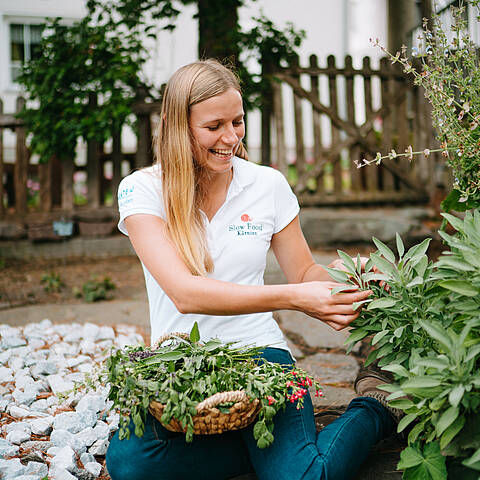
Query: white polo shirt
259, 203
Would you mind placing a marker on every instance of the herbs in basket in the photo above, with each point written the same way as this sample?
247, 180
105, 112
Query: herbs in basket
202, 388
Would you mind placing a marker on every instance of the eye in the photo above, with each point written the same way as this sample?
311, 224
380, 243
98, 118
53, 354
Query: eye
212, 128
238, 123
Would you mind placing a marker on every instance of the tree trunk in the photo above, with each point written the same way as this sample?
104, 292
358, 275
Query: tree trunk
218, 29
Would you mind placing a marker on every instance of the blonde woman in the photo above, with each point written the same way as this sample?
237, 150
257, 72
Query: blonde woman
201, 220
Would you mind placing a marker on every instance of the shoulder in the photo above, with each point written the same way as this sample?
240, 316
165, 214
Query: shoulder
253, 172
140, 184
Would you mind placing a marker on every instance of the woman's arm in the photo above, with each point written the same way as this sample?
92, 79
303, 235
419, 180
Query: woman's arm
194, 294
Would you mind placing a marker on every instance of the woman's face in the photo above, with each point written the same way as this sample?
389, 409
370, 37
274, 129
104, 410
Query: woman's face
217, 128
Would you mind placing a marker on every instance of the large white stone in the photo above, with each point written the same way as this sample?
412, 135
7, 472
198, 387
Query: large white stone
17, 426
86, 458
60, 473
102, 430
17, 437
99, 447
91, 401
94, 468
65, 458
7, 449
36, 468
6, 374
16, 363
42, 426
40, 405
10, 469
23, 379
12, 341
75, 361
18, 412
44, 367
26, 397
106, 333
87, 436
60, 438
58, 384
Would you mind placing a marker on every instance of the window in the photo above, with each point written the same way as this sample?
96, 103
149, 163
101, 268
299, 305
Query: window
24, 45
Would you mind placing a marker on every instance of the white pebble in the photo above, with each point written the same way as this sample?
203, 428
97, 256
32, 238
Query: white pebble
65, 458
94, 468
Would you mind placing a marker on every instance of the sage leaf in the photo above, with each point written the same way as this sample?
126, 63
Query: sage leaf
461, 287
451, 432
447, 418
456, 395
381, 303
400, 247
384, 250
195, 333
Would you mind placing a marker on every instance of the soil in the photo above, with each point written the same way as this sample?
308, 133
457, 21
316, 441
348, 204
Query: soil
26, 283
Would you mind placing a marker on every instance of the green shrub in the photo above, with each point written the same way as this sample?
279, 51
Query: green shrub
424, 323
95, 289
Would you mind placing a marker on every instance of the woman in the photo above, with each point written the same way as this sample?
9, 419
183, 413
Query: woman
201, 221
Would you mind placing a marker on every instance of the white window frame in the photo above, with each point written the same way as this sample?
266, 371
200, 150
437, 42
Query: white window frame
26, 46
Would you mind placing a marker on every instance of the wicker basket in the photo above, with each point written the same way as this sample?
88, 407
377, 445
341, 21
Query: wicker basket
210, 420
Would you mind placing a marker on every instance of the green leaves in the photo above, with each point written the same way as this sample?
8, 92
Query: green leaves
426, 465
195, 334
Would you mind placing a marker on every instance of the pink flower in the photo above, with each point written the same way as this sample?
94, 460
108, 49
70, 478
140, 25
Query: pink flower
271, 400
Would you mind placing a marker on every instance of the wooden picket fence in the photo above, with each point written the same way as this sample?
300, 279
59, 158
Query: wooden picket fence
326, 172
351, 112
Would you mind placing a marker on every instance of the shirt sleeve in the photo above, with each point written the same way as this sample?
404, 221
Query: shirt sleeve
139, 192
286, 203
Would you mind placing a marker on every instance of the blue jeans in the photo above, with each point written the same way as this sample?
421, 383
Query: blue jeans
298, 451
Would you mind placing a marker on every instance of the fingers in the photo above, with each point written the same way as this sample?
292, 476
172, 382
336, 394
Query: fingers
349, 298
339, 322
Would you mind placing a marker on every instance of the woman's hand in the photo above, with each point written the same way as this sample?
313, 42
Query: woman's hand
339, 265
316, 299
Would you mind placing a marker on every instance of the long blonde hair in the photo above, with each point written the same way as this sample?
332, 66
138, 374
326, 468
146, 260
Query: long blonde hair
182, 194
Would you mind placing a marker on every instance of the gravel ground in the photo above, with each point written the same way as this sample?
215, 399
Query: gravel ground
46, 428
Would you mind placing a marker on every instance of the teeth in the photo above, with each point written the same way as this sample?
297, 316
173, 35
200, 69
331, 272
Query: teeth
222, 152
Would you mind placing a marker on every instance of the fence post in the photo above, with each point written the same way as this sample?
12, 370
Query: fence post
21, 165
68, 167
45, 180
93, 163
332, 86
2, 189
317, 124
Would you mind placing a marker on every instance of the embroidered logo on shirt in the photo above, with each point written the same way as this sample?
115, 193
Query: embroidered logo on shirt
125, 196
248, 228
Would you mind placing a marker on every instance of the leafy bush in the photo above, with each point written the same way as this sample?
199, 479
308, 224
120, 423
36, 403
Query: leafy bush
95, 289
52, 282
424, 323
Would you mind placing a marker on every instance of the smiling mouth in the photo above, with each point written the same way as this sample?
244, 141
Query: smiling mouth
221, 153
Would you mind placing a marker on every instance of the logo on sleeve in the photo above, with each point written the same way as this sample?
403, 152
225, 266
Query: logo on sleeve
247, 228
125, 196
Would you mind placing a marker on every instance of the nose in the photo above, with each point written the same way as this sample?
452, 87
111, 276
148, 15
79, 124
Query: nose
230, 136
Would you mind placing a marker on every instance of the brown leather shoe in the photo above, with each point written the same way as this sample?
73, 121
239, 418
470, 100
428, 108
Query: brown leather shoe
366, 383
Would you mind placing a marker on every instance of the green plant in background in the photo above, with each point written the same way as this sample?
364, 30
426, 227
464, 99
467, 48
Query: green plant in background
95, 289
52, 282
424, 321
450, 76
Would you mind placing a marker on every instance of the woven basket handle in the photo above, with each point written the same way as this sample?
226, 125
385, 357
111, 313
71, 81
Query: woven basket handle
169, 336
222, 397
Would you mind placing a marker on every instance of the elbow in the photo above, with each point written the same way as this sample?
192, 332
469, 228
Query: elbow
185, 305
